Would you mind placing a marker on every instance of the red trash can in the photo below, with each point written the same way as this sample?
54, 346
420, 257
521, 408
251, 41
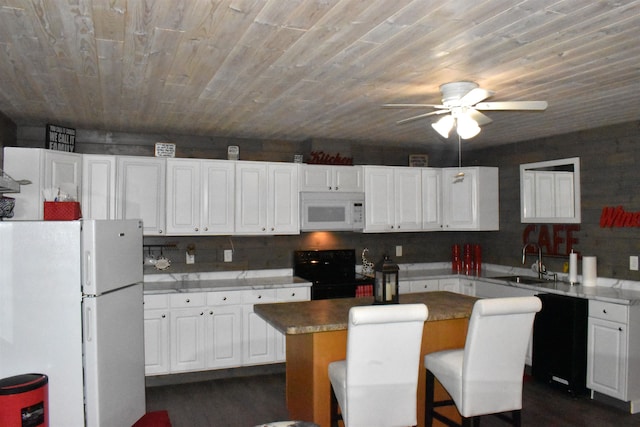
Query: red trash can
24, 401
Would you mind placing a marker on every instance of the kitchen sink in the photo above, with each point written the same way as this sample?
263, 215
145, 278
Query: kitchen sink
527, 280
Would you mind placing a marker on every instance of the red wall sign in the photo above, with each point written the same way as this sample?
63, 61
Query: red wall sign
618, 217
322, 158
557, 241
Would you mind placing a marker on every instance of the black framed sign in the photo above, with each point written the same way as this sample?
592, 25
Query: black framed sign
61, 139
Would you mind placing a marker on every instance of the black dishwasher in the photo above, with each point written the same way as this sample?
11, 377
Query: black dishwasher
560, 342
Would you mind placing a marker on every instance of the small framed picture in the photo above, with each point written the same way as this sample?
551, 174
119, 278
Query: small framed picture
418, 160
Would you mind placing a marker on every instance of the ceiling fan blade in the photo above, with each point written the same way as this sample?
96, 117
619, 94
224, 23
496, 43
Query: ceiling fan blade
413, 106
512, 105
410, 119
474, 96
480, 118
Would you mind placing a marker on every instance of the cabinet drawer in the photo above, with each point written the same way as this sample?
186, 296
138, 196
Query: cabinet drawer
190, 299
608, 311
258, 296
424, 285
156, 301
224, 298
292, 294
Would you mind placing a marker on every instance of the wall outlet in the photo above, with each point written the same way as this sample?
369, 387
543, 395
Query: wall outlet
228, 255
190, 259
633, 262
399, 250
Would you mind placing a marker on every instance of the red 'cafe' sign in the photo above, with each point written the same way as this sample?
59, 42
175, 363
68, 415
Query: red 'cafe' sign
618, 217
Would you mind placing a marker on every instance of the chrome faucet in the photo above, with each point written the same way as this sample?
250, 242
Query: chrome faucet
541, 267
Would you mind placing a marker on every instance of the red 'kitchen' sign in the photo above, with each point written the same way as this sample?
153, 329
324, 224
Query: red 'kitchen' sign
618, 217
322, 158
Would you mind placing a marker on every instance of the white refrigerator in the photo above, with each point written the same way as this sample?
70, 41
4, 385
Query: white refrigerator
71, 308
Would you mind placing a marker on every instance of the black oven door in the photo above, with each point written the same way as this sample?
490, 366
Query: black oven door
328, 291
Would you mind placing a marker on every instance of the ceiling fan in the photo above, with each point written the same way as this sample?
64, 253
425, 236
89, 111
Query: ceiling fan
462, 102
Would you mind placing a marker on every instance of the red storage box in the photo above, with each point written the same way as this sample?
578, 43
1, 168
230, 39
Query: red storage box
24, 401
62, 211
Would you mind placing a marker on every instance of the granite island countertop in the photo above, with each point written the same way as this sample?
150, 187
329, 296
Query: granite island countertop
333, 314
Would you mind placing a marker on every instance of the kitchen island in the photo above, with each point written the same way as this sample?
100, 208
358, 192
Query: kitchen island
316, 334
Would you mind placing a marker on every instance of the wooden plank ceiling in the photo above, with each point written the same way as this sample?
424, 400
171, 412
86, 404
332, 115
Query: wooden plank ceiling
316, 69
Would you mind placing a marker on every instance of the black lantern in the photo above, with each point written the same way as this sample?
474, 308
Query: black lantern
385, 288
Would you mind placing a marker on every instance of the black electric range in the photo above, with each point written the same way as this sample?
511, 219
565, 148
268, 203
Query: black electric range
332, 273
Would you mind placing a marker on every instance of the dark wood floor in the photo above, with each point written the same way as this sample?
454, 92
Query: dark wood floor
246, 401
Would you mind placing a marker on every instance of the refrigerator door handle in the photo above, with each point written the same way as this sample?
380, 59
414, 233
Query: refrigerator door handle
87, 270
88, 336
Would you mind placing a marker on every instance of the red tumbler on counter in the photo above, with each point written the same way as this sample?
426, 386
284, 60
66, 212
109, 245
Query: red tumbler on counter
456, 262
477, 259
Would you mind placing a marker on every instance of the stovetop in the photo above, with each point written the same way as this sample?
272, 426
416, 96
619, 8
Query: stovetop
334, 266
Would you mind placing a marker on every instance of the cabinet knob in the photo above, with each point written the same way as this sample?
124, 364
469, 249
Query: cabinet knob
259, 296
206, 229
202, 313
264, 229
164, 315
604, 311
273, 228
196, 229
330, 188
211, 312
187, 300
336, 188
620, 329
224, 299
159, 231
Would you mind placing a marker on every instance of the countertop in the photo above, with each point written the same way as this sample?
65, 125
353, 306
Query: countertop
608, 290
222, 281
333, 314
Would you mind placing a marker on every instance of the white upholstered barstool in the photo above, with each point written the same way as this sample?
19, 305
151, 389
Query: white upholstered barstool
485, 377
376, 386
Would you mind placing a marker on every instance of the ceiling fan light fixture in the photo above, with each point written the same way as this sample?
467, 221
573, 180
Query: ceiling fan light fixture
444, 125
467, 127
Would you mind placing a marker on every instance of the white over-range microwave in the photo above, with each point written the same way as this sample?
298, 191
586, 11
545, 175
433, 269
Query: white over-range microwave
331, 211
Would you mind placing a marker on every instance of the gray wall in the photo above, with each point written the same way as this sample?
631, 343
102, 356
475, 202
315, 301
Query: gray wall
609, 174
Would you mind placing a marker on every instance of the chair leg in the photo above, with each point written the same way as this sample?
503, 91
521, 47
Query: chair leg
335, 416
428, 401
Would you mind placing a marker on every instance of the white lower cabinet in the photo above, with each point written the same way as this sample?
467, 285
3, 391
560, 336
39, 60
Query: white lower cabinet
451, 284
194, 331
156, 334
613, 343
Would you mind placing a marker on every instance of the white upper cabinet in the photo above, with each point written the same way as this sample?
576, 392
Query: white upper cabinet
431, 199
267, 200
331, 178
470, 201
550, 191
98, 186
393, 199
200, 196
47, 170
141, 192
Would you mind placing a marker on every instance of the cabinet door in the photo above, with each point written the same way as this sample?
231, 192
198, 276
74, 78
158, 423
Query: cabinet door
183, 196
187, 339
218, 197
379, 188
141, 192
156, 342
606, 357
224, 336
251, 198
348, 178
470, 202
63, 171
431, 199
408, 199
258, 338
460, 199
317, 178
283, 212
98, 186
